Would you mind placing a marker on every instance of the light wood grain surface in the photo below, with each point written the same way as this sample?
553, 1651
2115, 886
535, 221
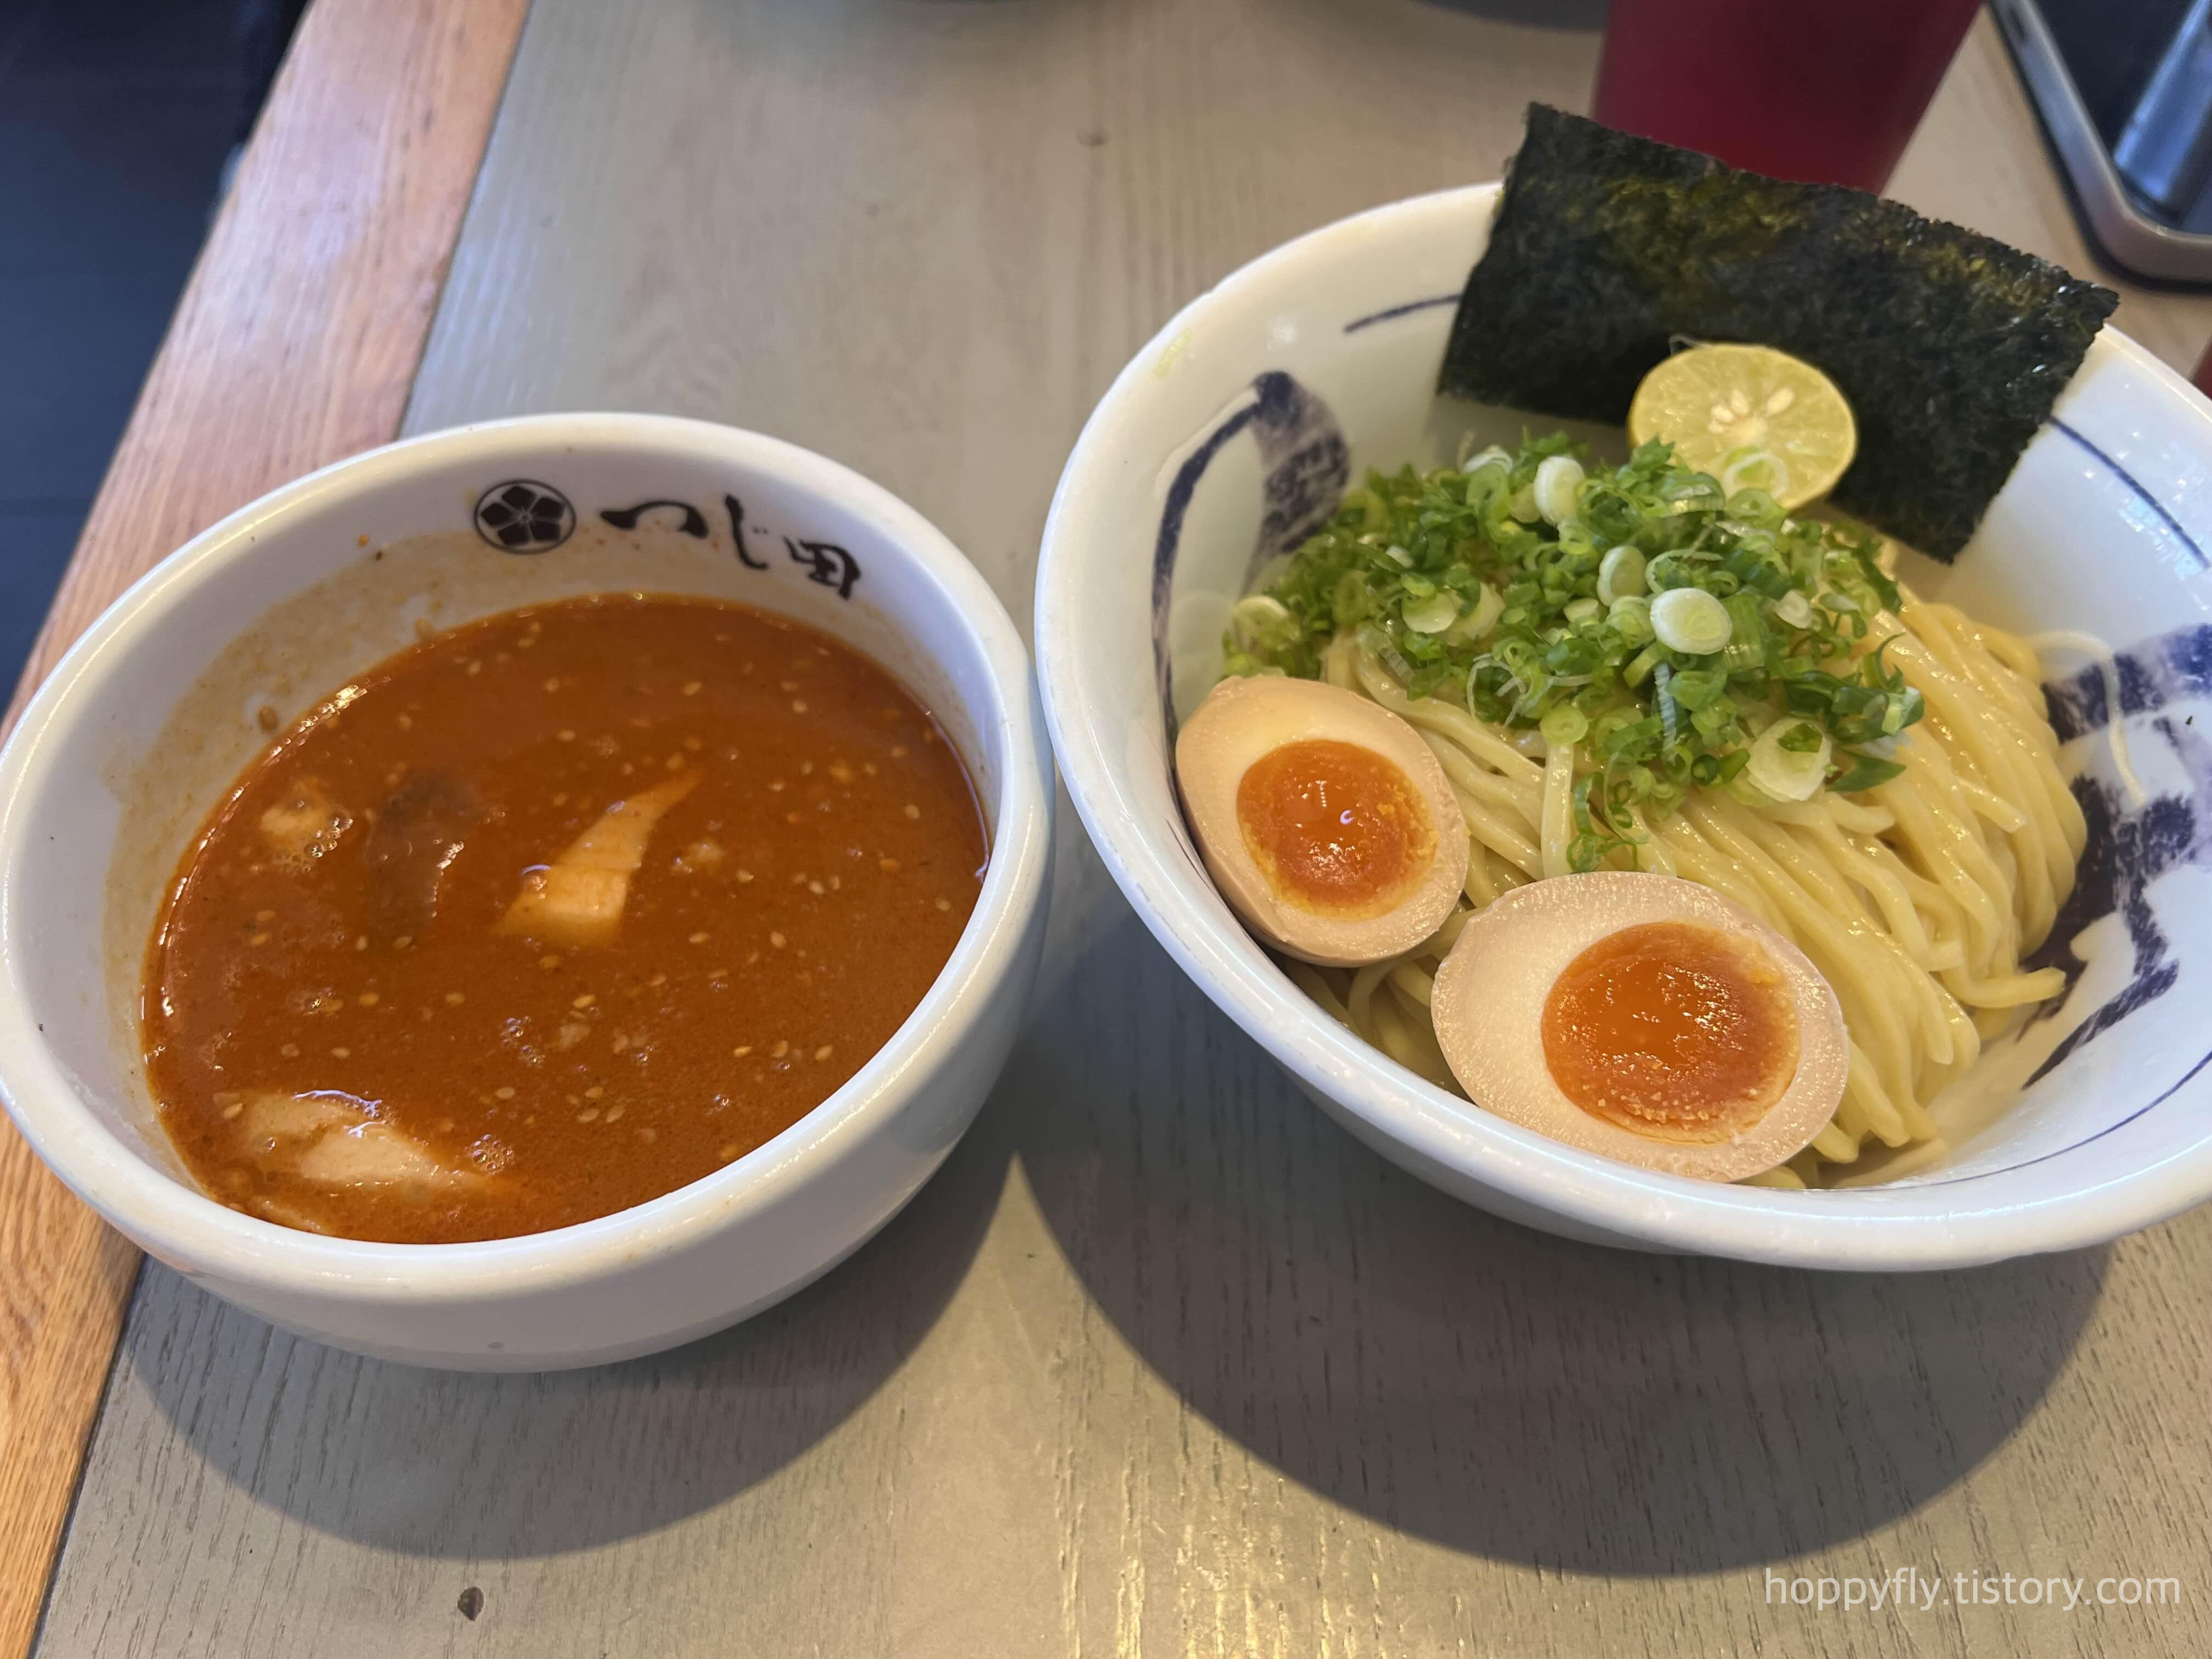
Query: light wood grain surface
295, 344
1162, 1363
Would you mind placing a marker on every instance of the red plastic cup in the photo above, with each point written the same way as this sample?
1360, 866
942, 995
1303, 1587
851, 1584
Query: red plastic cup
1822, 92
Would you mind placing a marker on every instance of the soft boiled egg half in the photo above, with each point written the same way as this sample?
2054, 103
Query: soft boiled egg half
1324, 819
1644, 1018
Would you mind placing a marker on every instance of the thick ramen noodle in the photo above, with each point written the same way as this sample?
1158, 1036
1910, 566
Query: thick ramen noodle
1916, 885
1916, 903
550, 916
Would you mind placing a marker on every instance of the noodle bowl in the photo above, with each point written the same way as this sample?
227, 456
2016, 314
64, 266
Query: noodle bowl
1229, 437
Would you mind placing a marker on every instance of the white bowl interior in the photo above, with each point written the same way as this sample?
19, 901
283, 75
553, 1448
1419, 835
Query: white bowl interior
337, 572
1233, 435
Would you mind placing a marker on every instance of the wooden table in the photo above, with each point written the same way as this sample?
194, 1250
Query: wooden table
1162, 1362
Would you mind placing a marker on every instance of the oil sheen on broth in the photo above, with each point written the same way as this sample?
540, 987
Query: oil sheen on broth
552, 914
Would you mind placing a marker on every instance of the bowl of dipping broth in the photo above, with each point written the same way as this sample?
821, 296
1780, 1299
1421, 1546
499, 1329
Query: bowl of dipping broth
2014, 1057
528, 896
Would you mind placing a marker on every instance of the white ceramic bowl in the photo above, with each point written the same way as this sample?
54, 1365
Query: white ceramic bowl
1233, 433
131, 741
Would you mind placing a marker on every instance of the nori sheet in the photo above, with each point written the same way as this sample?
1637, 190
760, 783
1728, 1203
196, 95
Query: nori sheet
1951, 347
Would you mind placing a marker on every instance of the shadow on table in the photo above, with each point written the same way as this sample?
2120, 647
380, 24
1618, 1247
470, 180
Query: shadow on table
1496, 1389
446, 1464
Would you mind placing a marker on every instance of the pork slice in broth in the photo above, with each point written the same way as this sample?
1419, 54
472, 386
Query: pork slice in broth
337, 1139
375, 1154
577, 898
419, 831
306, 825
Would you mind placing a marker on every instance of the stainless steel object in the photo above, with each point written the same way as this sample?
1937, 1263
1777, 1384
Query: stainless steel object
2140, 160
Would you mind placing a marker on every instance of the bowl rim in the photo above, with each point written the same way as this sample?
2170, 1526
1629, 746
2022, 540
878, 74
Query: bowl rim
1870, 1227
182, 1226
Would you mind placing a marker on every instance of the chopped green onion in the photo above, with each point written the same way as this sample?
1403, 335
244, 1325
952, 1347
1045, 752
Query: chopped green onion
1697, 688
1620, 572
1629, 616
1782, 766
1564, 723
1476, 623
1746, 644
1864, 772
1634, 738
1559, 478
1258, 618
1670, 625
1433, 614
1692, 621
1351, 598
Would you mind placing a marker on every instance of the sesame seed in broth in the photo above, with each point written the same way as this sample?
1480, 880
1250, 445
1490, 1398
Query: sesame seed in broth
810, 820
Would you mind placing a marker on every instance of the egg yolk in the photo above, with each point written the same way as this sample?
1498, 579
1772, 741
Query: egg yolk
1336, 829
1671, 1031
